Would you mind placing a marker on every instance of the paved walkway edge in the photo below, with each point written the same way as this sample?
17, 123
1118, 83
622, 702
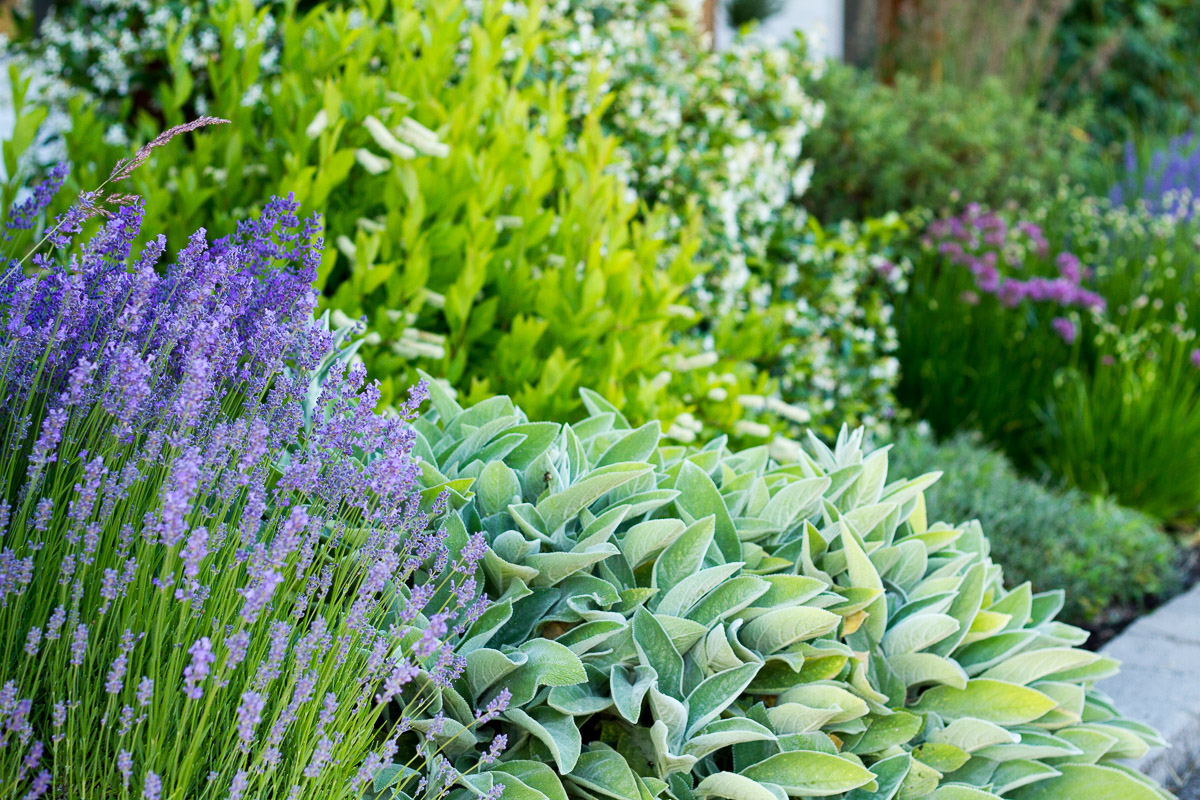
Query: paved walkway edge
1159, 683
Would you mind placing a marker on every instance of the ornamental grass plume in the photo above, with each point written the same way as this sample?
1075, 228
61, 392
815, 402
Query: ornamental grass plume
219, 577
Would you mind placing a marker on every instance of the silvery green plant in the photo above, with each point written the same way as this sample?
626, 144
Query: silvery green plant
693, 622
218, 574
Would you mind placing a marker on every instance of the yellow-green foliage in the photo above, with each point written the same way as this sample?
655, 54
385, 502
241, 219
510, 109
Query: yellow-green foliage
477, 240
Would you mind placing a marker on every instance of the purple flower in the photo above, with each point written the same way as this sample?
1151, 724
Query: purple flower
177, 496
39, 786
402, 672
249, 713
145, 691
495, 707
276, 652
116, 674
57, 618
15, 574
1065, 328
125, 766
194, 551
1196, 358
238, 786
195, 673
499, 742
25, 215
79, 644
47, 443
1069, 266
1012, 292
32, 641
151, 787
236, 647
322, 754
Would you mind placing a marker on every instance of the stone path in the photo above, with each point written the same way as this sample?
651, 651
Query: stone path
1159, 684
1192, 790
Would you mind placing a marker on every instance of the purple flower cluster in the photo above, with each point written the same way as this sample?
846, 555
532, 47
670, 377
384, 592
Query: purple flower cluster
1168, 184
26, 214
996, 253
176, 436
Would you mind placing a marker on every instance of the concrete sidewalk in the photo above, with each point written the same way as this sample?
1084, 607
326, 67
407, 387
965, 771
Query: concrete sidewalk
1159, 684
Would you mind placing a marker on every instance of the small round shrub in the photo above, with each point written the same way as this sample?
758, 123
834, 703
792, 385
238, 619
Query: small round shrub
1107, 558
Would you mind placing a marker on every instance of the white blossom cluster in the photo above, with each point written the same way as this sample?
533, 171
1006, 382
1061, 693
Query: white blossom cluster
118, 52
722, 134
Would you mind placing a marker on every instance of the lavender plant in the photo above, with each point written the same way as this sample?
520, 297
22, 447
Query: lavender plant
220, 576
1166, 182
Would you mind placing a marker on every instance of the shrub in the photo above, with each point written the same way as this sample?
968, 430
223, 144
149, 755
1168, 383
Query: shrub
124, 56
476, 239
507, 255
888, 148
1132, 61
698, 622
216, 557
725, 132
1108, 559
1063, 334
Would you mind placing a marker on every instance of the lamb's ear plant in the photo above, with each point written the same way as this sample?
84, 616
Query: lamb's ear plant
697, 622
219, 577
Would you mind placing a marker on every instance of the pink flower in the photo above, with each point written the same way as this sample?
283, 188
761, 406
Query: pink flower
1065, 328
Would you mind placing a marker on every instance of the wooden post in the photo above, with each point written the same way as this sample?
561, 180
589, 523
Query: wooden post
888, 16
709, 21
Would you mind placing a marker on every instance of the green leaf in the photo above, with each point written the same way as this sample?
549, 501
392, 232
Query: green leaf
558, 508
647, 539
970, 734
793, 500
638, 445
684, 556
554, 567
888, 731
1025, 668
627, 695
890, 773
717, 693
685, 594
657, 651
806, 773
1088, 781
604, 772
534, 774
992, 701
726, 733
961, 792
918, 632
700, 498
777, 629
919, 669
942, 757
556, 730
864, 575
547, 663
827, 695
729, 598
734, 787
497, 487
